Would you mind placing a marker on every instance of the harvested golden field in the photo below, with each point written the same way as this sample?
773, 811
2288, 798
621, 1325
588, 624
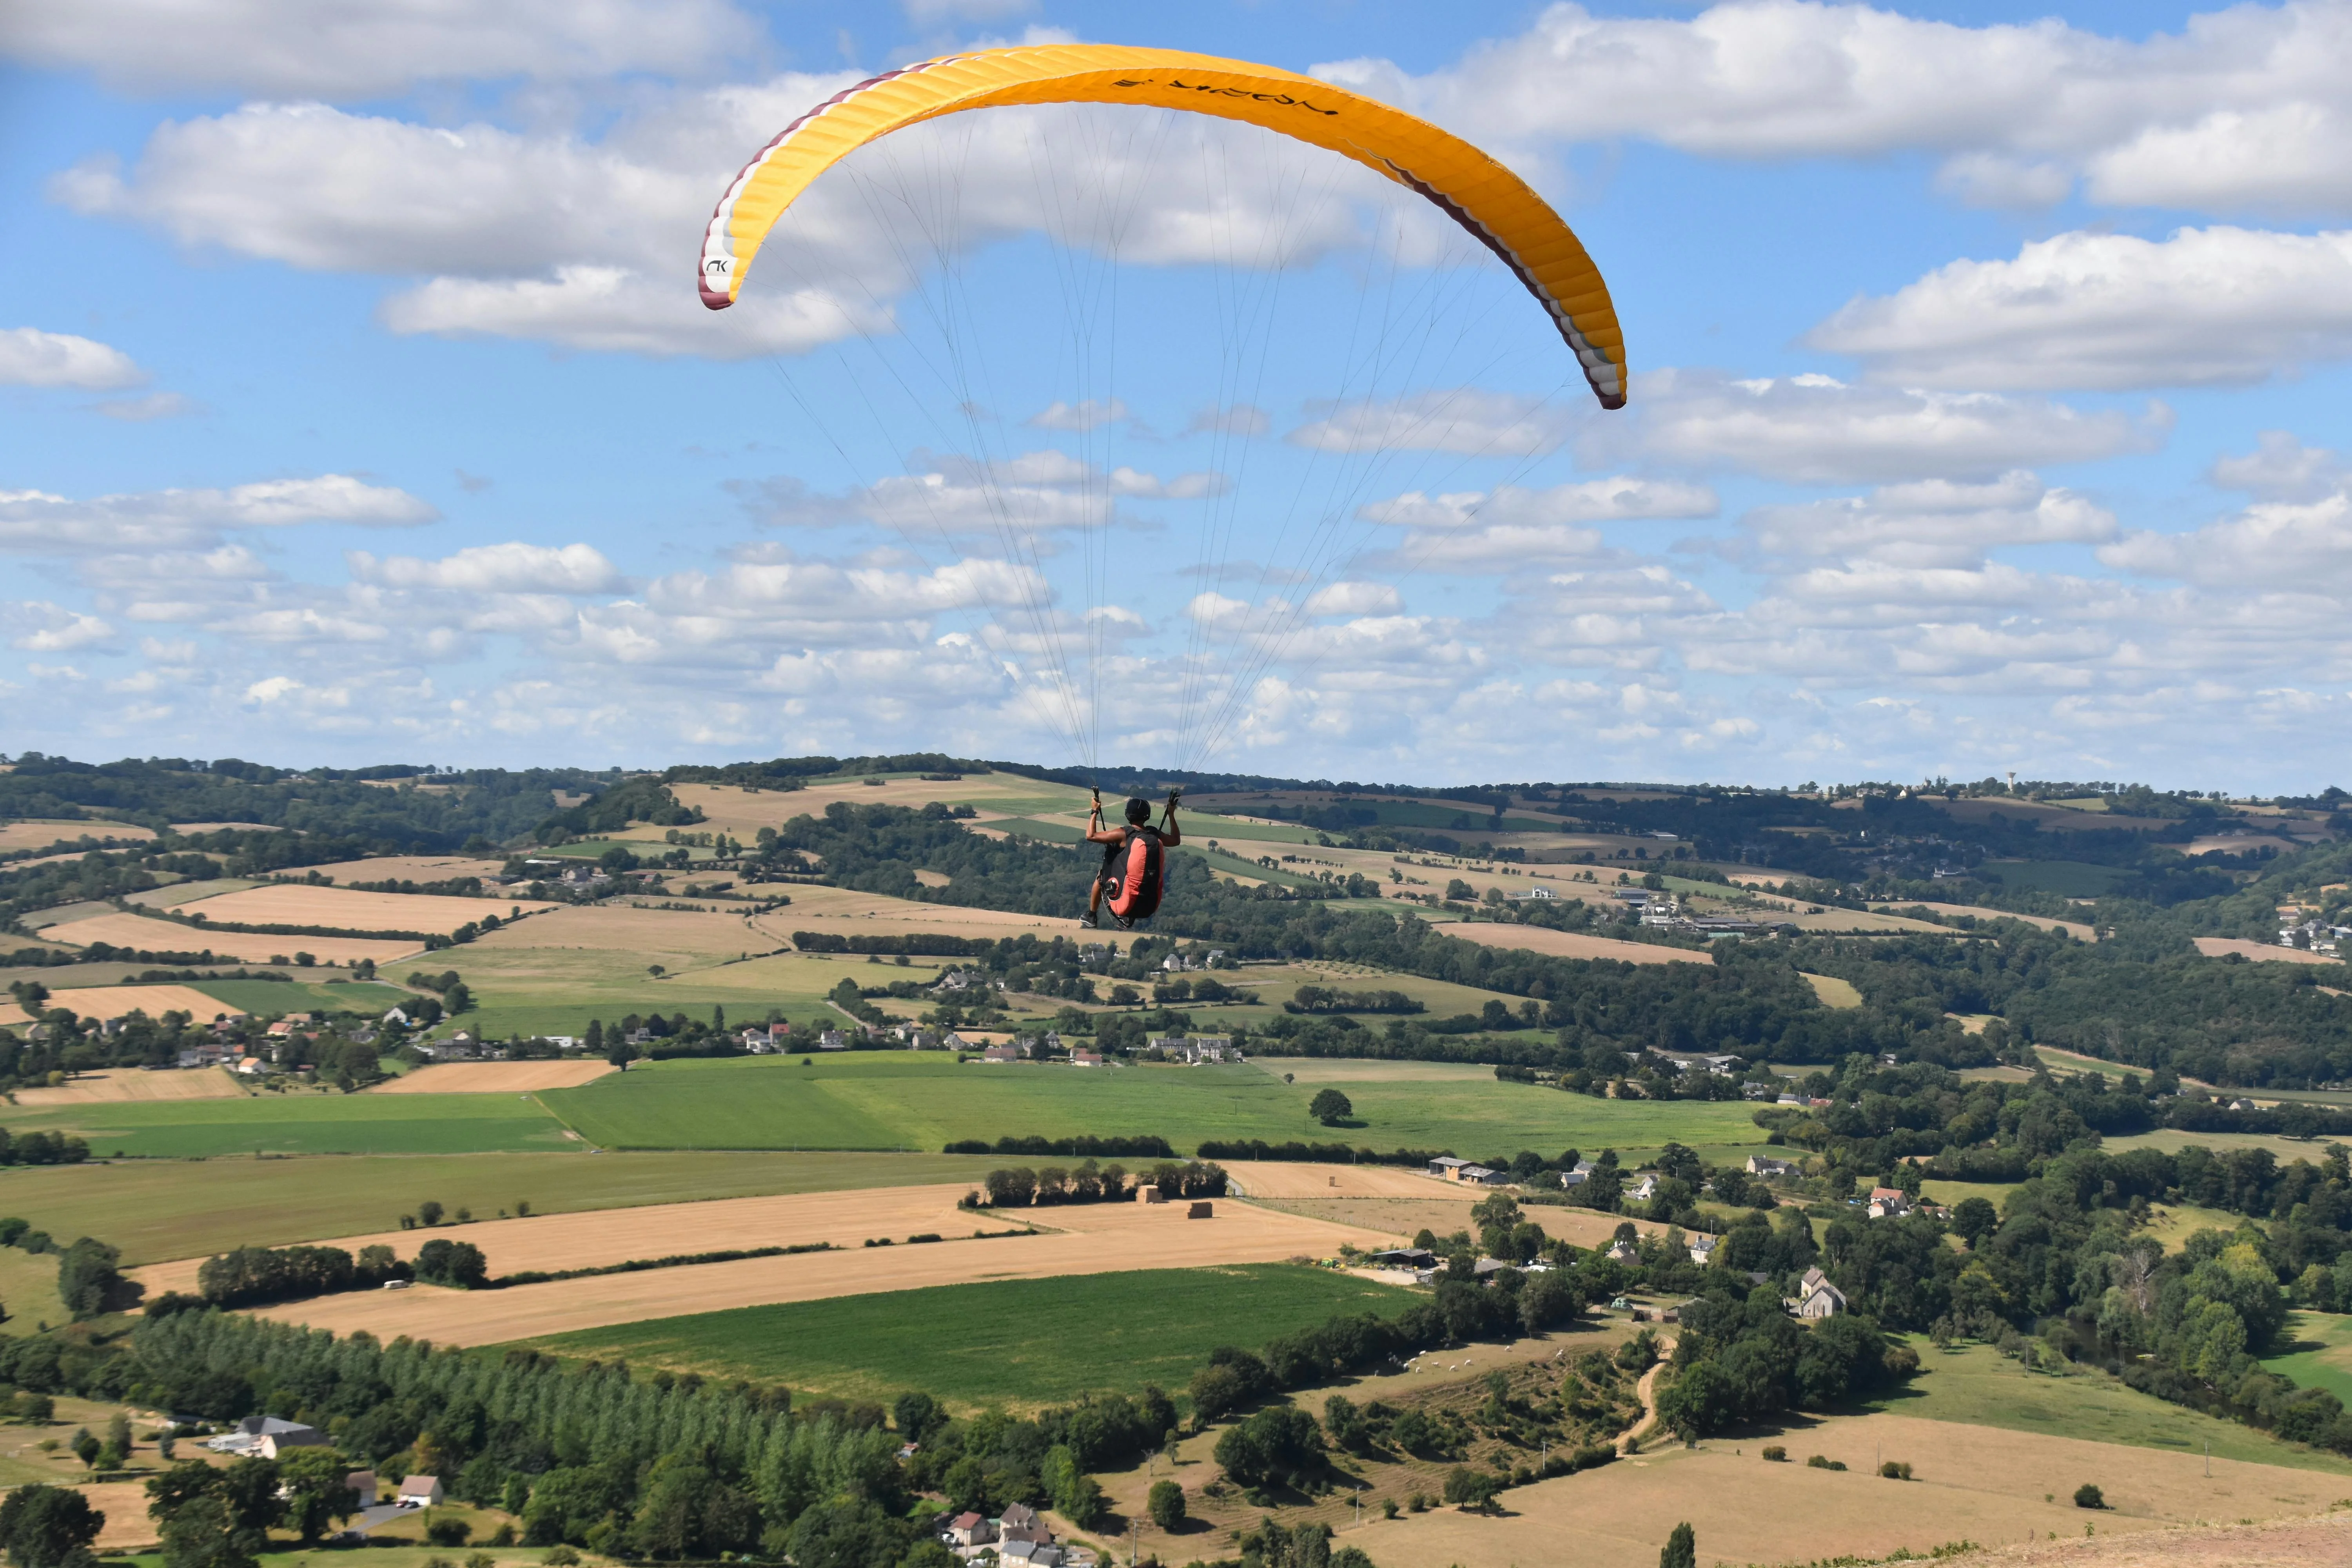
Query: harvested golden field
668, 936
1572, 944
1979, 1484
1103, 1238
411, 869
595, 1238
1834, 991
742, 811
121, 1084
291, 903
1289, 1179
139, 933
124, 1503
2261, 951
494, 1078
35, 834
114, 1001
845, 912
2078, 930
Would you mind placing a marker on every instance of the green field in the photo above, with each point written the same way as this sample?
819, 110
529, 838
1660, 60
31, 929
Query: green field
905, 1099
1976, 1385
155, 1210
1018, 1343
265, 996
2318, 1353
305, 1124
28, 1288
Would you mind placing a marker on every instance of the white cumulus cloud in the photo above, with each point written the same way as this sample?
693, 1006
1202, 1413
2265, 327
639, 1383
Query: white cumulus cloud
36, 522
2205, 306
30, 357
511, 568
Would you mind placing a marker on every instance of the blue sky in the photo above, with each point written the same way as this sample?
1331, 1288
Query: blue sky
355, 402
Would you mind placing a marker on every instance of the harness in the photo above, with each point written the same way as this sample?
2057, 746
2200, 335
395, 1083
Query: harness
1131, 876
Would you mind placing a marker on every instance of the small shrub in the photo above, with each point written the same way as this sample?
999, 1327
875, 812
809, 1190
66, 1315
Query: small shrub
448, 1533
560, 1556
1418, 1502
504, 1535
2088, 1496
438, 1563
1388, 1508
1777, 1454
1894, 1472
481, 1560
1823, 1462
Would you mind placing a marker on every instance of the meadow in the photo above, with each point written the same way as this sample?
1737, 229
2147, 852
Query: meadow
159, 1210
303, 1123
2318, 1353
923, 1100
1977, 1385
1013, 1343
265, 997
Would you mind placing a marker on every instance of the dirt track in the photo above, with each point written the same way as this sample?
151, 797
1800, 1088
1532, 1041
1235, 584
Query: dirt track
1102, 1239
494, 1078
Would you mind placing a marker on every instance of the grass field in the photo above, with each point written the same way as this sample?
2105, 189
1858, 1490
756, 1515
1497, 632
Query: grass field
1974, 1384
2318, 1353
1834, 991
29, 1288
307, 1123
905, 1099
1017, 1343
156, 1210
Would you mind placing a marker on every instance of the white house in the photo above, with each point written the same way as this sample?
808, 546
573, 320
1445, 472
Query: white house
1702, 1250
1765, 1165
1645, 1189
1889, 1203
420, 1491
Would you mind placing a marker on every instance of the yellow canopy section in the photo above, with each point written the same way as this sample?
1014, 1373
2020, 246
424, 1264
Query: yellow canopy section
1478, 193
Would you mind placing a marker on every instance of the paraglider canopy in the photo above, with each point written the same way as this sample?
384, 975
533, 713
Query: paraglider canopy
1486, 199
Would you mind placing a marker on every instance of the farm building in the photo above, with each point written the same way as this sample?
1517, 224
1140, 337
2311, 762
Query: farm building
1889, 1203
420, 1491
1765, 1165
265, 1436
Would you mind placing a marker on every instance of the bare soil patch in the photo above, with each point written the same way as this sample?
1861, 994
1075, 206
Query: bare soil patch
119, 1085
1973, 1483
1104, 1239
494, 1078
2277, 1544
295, 904
2261, 951
140, 933
1571, 944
